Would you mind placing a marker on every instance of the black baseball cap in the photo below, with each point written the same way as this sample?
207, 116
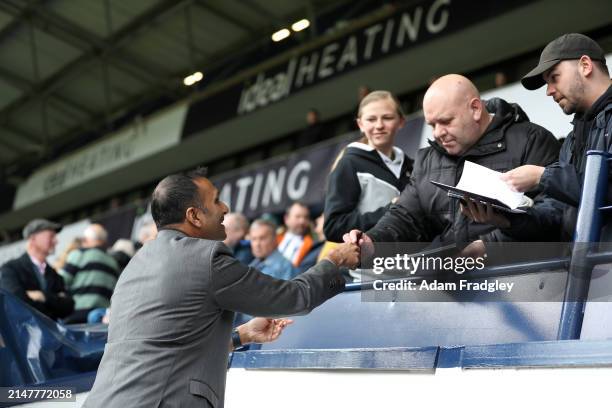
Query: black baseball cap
38, 225
566, 47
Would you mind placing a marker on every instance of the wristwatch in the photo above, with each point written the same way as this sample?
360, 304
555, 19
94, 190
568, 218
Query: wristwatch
236, 343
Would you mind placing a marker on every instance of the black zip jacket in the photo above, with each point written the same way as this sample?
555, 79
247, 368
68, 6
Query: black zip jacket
563, 180
360, 189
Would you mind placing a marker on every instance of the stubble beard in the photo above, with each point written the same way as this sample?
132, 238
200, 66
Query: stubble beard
576, 92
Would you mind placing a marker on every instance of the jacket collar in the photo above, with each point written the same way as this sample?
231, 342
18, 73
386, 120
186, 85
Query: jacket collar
399, 153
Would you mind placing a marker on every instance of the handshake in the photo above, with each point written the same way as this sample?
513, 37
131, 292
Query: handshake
348, 254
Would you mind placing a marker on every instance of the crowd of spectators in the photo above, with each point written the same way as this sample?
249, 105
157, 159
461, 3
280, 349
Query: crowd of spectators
373, 190
375, 193
79, 286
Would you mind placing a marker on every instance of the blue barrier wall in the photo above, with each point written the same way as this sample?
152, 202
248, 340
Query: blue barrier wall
35, 349
349, 321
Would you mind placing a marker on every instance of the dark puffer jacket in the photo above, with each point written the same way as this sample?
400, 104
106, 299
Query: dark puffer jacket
424, 212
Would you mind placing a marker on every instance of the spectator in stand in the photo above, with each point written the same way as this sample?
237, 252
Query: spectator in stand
61, 260
494, 134
90, 274
501, 79
370, 173
31, 279
264, 255
236, 229
314, 131
313, 117
267, 258
573, 69
296, 241
314, 255
123, 250
147, 232
362, 92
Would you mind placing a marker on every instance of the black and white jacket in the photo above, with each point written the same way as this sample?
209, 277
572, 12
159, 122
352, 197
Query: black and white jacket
360, 189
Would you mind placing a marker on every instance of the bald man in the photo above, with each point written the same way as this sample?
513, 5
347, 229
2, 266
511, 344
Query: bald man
90, 274
236, 229
494, 134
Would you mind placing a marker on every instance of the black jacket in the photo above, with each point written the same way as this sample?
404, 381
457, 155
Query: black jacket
18, 275
424, 212
359, 190
564, 179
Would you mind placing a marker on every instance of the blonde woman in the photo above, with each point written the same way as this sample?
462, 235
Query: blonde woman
371, 172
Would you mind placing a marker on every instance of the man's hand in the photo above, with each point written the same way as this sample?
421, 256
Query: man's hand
354, 237
524, 178
262, 330
365, 243
347, 254
478, 212
36, 295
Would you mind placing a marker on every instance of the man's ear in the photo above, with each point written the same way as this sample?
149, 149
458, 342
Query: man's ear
192, 216
476, 108
585, 66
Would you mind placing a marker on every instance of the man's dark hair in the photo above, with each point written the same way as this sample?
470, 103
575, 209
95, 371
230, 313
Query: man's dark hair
173, 195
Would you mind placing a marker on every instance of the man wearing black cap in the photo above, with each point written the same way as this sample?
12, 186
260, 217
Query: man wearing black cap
573, 68
31, 279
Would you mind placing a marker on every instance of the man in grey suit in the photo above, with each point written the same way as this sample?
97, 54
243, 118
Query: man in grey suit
173, 307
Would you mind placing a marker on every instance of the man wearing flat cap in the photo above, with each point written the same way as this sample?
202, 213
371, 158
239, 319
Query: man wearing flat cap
573, 68
31, 278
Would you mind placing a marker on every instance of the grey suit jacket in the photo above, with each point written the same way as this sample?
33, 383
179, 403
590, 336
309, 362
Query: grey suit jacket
171, 319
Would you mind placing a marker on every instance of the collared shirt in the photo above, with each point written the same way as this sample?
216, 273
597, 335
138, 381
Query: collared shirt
290, 245
40, 267
394, 165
